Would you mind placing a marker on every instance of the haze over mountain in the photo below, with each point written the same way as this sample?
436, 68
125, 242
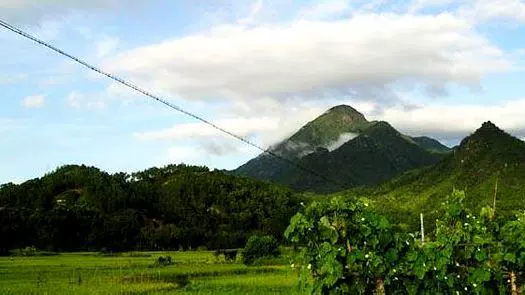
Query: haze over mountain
345, 147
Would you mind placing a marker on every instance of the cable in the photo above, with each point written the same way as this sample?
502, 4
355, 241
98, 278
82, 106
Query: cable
156, 98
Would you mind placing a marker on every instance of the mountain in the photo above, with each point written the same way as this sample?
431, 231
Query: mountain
484, 158
378, 154
347, 150
329, 130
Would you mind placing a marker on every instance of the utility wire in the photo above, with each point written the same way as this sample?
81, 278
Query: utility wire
158, 99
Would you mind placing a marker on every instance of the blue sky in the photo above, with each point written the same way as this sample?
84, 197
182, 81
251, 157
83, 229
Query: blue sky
258, 68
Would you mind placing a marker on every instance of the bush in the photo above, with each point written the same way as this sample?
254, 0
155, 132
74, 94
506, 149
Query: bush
202, 248
259, 247
230, 255
162, 261
31, 251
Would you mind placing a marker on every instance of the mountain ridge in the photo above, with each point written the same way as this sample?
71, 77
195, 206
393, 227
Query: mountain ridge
319, 142
487, 156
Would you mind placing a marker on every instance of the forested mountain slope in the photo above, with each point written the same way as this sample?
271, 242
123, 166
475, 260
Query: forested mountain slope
83, 208
487, 157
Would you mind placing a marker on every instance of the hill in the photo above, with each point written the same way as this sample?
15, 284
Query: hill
486, 158
343, 146
83, 208
330, 130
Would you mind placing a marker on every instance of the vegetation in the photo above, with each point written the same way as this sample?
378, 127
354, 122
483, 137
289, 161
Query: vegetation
487, 164
260, 247
377, 155
345, 244
191, 272
347, 248
78, 208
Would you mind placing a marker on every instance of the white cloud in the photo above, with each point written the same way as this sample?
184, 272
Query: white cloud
78, 100
507, 10
239, 126
254, 10
325, 9
456, 121
477, 11
107, 46
117, 90
418, 5
343, 138
12, 78
364, 56
34, 101
201, 155
265, 129
185, 154
447, 123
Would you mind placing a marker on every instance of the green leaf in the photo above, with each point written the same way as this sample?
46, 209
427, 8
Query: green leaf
328, 232
392, 256
510, 257
479, 275
480, 255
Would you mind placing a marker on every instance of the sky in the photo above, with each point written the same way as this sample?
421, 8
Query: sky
260, 69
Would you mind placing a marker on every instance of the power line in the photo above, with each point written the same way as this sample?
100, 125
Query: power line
156, 98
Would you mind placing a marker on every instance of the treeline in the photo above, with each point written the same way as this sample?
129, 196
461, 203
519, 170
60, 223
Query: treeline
178, 206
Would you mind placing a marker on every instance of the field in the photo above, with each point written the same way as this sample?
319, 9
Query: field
192, 272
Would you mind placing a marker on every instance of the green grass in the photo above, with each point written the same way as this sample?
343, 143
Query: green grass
197, 272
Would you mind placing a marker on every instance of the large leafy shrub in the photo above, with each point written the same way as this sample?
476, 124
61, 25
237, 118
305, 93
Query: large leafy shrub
259, 247
345, 248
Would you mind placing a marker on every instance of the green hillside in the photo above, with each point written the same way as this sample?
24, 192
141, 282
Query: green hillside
486, 157
378, 154
83, 208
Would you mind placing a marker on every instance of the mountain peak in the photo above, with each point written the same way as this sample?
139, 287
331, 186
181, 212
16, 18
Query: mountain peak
491, 143
488, 132
345, 112
328, 127
488, 125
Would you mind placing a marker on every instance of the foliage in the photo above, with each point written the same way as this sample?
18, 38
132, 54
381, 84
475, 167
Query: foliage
487, 158
178, 206
230, 255
31, 251
347, 248
132, 275
259, 247
163, 261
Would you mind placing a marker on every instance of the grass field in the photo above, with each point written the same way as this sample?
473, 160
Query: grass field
198, 272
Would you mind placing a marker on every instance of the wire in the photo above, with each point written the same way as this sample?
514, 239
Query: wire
158, 99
